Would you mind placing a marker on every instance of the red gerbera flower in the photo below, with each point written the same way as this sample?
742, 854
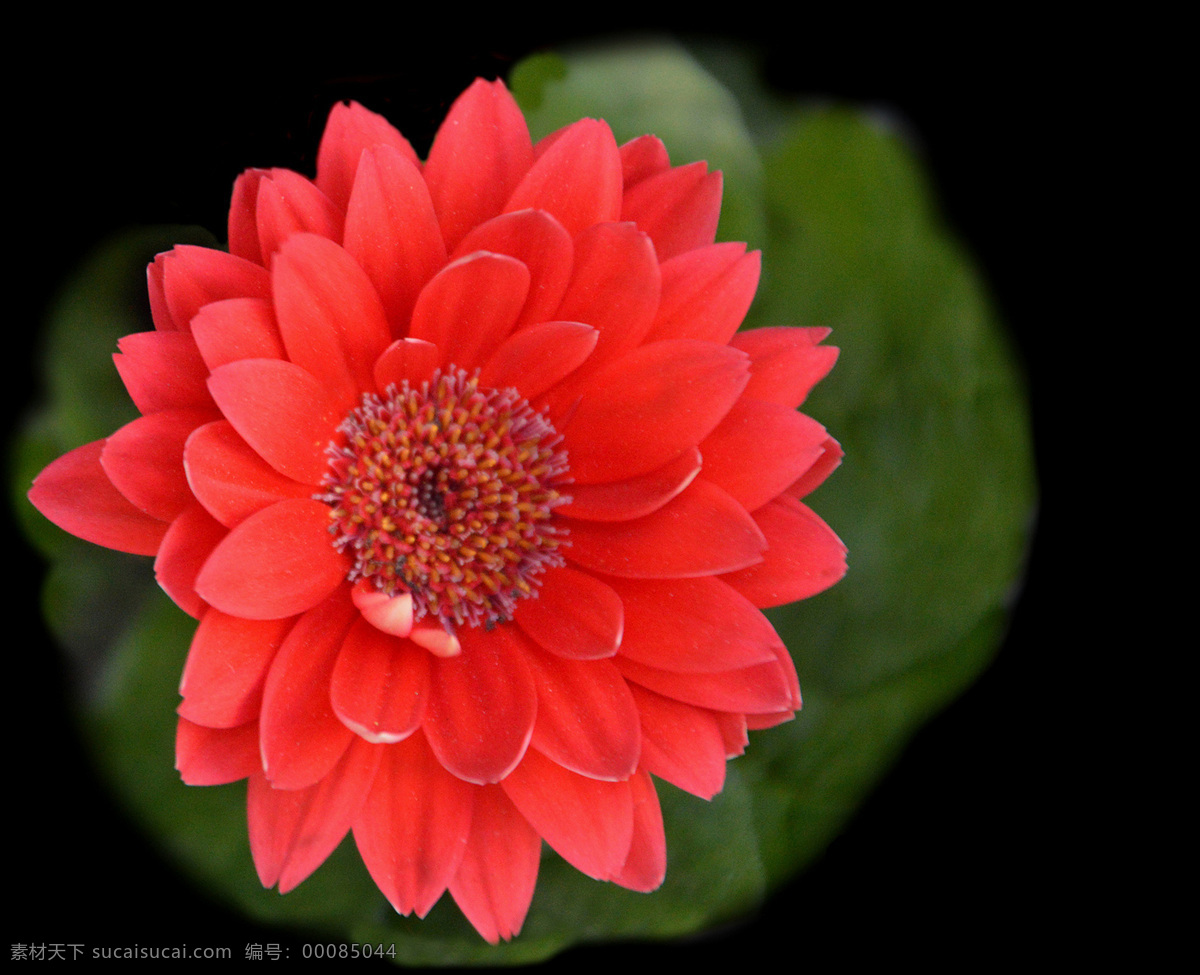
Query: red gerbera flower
476, 494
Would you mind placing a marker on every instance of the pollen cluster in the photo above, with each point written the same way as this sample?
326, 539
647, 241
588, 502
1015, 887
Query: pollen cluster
447, 492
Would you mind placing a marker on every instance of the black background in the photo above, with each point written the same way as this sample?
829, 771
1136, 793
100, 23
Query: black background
976, 846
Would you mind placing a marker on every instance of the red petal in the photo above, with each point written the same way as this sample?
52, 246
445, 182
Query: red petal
351, 129
470, 306
643, 157
681, 743
785, 363
187, 545
282, 411
761, 689
278, 562
391, 231
144, 461
163, 371
734, 729
216, 756
496, 878
586, 718
588, 822
635, 497
701, 532
243, 223
706, 293
577, 179
192, 277
575, 615
406, 360
678, 208
646, 866
478, 157
539, 242
535, 358
226, 667
648, 407
76, 494
814, 477
412, 830
481, 706
379, 684
229, 478
237, 328
614, 287
293, 831
330, 316
289, 204
759, 449
804, 557
693, 625
302, 738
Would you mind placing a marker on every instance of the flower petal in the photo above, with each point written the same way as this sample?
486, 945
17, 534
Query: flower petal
379, 684
163, 371
646, 866
392, 232
75, 493
229, 478
761, 689
481, 706
641, 158
144, 461
539, 242
761, 448
412, 829
187, 545
293, 831
785, 363
535, 358
278, 562
586, 718
588, 822
614, 287
406, 360
282, 411
226, 667
575, 615
701, 532
479, 155
237, 328
679, 208
330, 317
826, 464
216, 756
287, 204
693, 626
681, 743
636, 496
192, 277
351, 129
706, 293
470, 306
804, 557
577, 179
302, 739
496, 878
648, 407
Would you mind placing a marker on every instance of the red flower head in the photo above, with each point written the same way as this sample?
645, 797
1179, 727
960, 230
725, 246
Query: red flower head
476, 493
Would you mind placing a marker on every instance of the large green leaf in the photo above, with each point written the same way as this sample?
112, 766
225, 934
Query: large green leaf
933, 500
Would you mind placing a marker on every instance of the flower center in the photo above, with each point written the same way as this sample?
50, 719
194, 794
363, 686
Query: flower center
446, 493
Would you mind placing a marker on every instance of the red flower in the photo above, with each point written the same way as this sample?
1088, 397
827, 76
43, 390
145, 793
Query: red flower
475, 492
